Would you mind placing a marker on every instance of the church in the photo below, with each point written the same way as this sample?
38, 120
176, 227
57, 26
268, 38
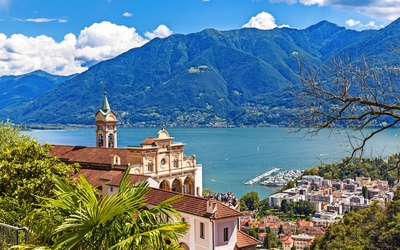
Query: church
158, 158
162, 163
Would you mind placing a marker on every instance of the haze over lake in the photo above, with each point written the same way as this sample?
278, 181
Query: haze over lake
232, 156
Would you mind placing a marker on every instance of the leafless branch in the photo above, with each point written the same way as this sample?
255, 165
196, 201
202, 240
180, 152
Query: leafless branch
354, 94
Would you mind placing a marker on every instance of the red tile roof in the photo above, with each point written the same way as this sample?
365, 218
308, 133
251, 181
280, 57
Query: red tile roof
115, 180
148, 141
303, 223
83, 154
287, 241
245, 240
93, 176
313, 231
112, 177
192, 204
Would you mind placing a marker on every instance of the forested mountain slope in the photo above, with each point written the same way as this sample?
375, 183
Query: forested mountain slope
211, 78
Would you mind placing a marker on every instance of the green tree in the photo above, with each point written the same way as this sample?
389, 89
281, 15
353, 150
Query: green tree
80, 220
253, 231
251, 200
284, 206
303, 207
26, 171
364, 229
207, 192
311, 171
365, 192
280, 231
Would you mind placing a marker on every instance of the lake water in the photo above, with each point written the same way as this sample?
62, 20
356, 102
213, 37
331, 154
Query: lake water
232, 156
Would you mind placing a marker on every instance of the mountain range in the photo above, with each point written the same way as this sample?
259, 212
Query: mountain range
210, 78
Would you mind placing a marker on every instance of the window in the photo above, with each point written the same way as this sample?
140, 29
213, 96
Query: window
176, 163
111, 189
183, 219
110, 140
202, 230
226, 234
100, 141
150, 167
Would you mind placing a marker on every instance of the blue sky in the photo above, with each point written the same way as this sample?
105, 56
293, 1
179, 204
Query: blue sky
65, 36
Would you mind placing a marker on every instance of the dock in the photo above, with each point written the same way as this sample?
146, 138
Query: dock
258, 178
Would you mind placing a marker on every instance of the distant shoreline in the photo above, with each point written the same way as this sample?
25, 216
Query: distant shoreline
79, 126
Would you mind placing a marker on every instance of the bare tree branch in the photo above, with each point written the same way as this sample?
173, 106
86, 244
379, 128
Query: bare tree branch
357, 95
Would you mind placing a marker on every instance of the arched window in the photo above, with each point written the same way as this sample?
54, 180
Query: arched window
176, 163
150, 166
110, 140
101, 141
184, 246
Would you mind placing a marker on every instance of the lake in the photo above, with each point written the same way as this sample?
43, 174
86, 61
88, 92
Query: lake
232, 156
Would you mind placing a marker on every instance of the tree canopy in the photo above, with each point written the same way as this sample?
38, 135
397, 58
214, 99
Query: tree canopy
26, 171
371, 228
250, 200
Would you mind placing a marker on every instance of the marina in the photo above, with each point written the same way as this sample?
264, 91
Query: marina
281, 178
258, 178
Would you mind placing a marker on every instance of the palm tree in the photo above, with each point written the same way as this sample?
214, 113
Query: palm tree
77, 219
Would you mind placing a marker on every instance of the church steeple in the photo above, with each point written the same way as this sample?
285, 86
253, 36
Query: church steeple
106, 106
106, 125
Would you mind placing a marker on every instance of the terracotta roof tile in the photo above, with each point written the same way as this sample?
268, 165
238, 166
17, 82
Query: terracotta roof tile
133, 179
93, 176
303, 223
287, 241
245, 240
85, 154
148, 141
192, 204
313, 231
112, 177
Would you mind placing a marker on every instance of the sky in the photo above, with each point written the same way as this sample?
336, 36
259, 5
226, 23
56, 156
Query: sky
65, 37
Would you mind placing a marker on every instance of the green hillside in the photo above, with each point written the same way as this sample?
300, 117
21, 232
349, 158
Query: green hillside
211, 78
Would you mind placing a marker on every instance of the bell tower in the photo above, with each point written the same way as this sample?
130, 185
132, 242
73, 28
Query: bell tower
106, 125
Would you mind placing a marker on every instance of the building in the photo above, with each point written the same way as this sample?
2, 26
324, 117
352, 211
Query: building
164, 160
162, 163
157, 157
213, 224
300, 241
325, 198
106, 126
276, 199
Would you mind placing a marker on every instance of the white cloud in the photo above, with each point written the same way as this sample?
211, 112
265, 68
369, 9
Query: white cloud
161, 32
358, 24
127, 14
385, 10
40, 20
352, 22
263, 21
290, 2
20, 54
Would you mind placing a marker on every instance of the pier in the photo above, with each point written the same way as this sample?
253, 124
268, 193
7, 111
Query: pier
258, 178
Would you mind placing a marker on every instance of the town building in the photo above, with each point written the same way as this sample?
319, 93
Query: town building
300, 241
